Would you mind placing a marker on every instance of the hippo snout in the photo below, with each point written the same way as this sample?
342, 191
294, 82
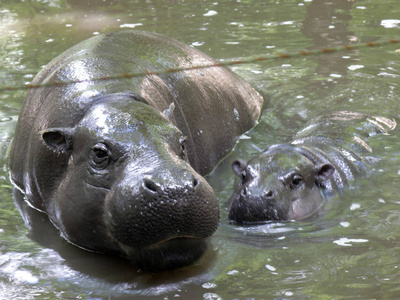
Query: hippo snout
153, 188
268, 195
248, 206
154, 211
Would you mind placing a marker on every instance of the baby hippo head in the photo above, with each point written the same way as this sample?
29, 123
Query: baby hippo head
277, 185
128, 188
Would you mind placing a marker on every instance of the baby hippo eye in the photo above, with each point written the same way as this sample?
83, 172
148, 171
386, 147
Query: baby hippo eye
100, 156
297, 180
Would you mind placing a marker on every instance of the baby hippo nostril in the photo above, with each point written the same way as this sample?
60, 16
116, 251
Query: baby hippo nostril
150, 185
270, 194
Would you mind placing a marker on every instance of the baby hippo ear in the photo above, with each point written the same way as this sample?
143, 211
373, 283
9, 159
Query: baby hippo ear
58, 139
323, 172
239, 167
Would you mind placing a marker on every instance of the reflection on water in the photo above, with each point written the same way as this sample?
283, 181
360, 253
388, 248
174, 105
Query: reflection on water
352, 249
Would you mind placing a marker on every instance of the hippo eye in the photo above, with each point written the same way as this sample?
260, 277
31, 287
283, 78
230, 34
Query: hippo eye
297, 180
100, 156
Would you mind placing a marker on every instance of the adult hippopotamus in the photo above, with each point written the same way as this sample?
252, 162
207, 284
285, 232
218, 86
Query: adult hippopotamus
290, 181
117, 165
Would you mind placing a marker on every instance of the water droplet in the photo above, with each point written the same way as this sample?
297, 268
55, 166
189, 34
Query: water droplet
209, 285
233, 272
271, 268
344, 224
211, 296
210, 13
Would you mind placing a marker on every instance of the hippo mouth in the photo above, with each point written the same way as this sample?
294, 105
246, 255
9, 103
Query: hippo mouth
167, 255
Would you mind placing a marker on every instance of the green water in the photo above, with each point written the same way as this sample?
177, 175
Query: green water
351, 251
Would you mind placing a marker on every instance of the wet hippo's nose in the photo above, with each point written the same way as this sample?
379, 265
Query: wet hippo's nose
158, 209
150, 186
269, 195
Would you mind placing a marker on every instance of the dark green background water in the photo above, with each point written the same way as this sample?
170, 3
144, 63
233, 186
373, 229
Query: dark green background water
352, 251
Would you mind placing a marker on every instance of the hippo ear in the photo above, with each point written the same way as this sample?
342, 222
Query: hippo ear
323, 172
169, 112
238, 167
58, 139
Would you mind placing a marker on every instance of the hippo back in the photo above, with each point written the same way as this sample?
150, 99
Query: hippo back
341, 139
211, 106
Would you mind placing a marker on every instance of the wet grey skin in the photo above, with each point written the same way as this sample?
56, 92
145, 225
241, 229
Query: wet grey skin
117, 165
291, 181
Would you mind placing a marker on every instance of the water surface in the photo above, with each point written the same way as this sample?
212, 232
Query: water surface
352, 250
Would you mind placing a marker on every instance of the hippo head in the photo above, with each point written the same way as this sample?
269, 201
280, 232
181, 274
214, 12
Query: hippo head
279, 184
128, 187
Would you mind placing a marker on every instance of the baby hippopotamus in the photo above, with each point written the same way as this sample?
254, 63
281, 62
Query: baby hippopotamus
117, 164
290, 181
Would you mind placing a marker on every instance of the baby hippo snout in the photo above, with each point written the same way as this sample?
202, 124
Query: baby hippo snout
269, 195
247, 206
158, 209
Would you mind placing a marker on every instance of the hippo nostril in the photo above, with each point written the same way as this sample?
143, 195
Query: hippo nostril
269, 194
195, 182
151, 185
